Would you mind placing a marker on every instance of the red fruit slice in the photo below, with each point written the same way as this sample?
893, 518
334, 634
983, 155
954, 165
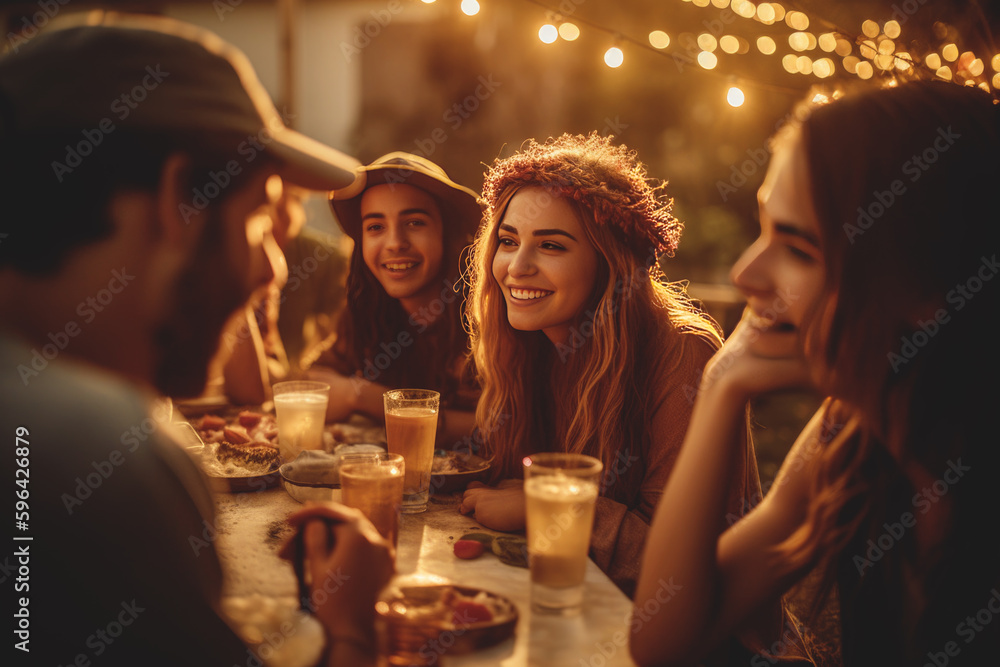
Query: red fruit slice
249, 419
234, 436
469, 549
466, 612
212, 423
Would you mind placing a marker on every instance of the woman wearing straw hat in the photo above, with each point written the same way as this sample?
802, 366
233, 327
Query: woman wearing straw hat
402, 326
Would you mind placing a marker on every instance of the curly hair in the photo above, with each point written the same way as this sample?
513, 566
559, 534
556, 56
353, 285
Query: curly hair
603, 178
595, 394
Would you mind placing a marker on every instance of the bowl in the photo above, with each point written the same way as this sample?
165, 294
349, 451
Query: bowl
415, 620
453, 471
315, 474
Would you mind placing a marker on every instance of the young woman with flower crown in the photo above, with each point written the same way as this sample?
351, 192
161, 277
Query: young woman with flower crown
581, 346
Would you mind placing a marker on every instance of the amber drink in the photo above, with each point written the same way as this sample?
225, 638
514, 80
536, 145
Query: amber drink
561, 491
410, 429
373, 483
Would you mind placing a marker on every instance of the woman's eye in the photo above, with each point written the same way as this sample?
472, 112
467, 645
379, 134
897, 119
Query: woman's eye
550, 245
507, 241
801, 254
373, 228
416, 223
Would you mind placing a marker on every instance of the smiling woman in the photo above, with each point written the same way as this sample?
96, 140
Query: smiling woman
577, 335
402, 326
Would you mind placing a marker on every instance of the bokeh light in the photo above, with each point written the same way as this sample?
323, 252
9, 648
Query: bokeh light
470, 7
735, 97
659, 39
864, 70
766, 45
870, 29
729, 44
892, 29
548, 33
569, 31
707, 42
614, 57
707, 60
949, 52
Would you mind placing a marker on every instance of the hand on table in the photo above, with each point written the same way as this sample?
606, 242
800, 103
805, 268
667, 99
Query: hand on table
344, 579
501, 507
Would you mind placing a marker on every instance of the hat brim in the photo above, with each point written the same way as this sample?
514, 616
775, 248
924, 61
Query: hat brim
463, 202
310, 164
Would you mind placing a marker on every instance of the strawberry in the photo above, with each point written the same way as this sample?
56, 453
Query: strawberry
249, 419
469, 549
466, 612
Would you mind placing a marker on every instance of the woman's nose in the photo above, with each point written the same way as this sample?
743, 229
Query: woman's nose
749, 273
521, 263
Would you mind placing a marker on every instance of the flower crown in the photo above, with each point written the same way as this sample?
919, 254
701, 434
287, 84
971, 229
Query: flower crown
605, 179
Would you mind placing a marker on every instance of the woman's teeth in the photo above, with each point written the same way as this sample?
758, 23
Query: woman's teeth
400, 266
528, 294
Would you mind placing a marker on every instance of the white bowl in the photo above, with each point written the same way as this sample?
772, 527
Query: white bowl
315, 474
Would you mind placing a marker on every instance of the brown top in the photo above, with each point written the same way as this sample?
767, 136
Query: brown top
620, 530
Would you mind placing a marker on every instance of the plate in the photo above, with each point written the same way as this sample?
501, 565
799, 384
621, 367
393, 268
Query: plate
223, 483
413, 619
470, 468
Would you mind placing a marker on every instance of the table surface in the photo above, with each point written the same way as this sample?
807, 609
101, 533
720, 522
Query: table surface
260, 588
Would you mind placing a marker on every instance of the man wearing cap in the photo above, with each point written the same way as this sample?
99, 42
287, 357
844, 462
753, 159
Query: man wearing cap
140, 157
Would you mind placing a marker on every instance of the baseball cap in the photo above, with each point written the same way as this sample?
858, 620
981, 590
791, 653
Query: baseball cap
101, 70
407, 169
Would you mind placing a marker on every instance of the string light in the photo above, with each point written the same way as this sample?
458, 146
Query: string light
614, 57
735, 97
873, 50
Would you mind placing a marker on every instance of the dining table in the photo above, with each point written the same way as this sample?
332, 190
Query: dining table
261, 597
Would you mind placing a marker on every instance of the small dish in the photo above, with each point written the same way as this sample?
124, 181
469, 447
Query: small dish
441, 617
199, 450
315, 474
453, 471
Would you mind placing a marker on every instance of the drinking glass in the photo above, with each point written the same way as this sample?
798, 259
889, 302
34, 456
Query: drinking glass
373, 483
300, 408
410, 429
560, 491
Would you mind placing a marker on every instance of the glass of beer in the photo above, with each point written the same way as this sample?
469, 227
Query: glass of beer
410, 429
560, 491
373, 483
300, 409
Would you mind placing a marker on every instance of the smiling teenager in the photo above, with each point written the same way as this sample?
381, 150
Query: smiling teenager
581, 345
883, 495
402, 326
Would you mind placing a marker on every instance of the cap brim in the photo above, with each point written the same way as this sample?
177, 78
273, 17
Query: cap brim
310, 164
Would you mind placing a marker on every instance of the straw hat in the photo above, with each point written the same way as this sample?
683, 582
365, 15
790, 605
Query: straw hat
408, 169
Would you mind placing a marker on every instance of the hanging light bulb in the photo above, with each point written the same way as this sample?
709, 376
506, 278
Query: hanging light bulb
614, 57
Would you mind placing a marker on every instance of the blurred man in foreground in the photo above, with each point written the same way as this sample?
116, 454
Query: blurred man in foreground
138, 159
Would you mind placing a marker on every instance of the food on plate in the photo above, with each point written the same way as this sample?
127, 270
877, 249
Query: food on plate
469, 549
258, 456
248, 426
446, 462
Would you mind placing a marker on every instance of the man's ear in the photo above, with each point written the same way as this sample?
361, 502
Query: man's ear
180, 220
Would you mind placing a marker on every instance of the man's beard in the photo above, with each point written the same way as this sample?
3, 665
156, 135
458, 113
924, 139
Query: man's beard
206, 294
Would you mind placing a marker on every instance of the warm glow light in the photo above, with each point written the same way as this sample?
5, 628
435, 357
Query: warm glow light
884, 61
886, 46
707, 42
870, 29
798, 41
976, 67
721, 4
428, 2
944, 73
797, 20
470, 7
614, 57
867, 49
568, 31
903, 61
700, 3
996, 63
804, 65
735, 97
844, 47
851, 64
765, 13
548, 33
864, 70
779, 12
933, 61
729, 44
789, 62
659, 39
892, 29
828, 41
996, 80
743, 8
707, 60
823, 68
766, 45
950, 53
